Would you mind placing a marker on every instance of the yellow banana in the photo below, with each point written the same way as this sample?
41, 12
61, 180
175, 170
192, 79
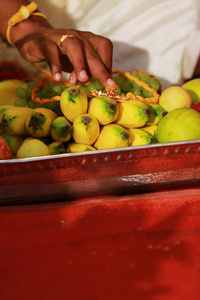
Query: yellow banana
104, 109
85, 129
139, 137
38, 123
157, 112
33, 148
73, 102
112, 136
3, 109
133, 114
151, 129
12, 121
56, 148
61, 129
73, 147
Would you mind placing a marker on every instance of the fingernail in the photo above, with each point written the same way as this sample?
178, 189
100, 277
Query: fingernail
57, 77
83, 75
111, 83
72, 80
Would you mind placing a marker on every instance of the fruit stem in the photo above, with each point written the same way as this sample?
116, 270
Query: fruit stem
86, 119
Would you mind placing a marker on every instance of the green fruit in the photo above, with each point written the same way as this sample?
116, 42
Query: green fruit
61, 129
8, 90
193, 87
56, 148
157, 113
180, 124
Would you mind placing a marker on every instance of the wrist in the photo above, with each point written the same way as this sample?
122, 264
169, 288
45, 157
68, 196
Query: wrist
28, 27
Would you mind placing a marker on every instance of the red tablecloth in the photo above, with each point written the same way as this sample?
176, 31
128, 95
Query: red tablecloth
117, 248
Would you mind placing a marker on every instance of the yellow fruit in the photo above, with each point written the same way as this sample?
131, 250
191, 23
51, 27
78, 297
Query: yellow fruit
57, 148
61, 129
8, 91
13, 120
85, 129
157, 113
73, 147
104, 109
133, 114
151, 129
73, 102
193, 87
181, 124
3, 109
28, 139
112, 136
33, 148
139, 137
38, 123
175, 97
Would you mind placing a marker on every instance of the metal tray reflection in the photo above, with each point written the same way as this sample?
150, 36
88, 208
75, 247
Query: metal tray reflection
119, 171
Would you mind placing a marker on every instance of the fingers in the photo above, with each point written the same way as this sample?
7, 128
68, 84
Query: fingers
99, 59
73, 48
88, 51
51, 54
103, 47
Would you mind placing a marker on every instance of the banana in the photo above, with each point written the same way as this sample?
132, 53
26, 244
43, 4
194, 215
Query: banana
33, 148
56, 148
133, 114
157, 112
151, 129
12, 121
112, 136
139, 137
104, 109
85, 129
14, 141
73, 102
38, 123
73, 147
3, 109
61, 130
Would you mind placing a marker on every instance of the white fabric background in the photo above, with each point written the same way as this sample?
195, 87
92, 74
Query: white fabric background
159, 36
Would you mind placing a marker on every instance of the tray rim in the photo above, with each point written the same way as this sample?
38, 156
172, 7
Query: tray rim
105, 151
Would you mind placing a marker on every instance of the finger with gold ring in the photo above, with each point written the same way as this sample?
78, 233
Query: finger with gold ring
64, 37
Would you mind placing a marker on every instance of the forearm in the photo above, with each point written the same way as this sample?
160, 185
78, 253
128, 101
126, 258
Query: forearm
7, 9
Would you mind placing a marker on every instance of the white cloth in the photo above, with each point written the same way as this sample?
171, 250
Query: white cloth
158, 36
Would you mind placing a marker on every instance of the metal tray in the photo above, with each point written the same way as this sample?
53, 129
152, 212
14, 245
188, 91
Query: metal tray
119, 171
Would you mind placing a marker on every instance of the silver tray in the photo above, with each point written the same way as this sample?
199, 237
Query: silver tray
119, 171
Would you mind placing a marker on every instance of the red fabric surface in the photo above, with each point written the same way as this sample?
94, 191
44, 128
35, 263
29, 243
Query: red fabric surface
131, 247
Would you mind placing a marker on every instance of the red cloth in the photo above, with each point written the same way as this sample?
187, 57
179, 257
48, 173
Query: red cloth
117, 248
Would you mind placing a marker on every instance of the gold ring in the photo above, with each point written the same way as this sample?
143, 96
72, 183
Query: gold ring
64, 37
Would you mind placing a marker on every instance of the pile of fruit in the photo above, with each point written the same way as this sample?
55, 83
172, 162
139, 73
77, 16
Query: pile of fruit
51, 118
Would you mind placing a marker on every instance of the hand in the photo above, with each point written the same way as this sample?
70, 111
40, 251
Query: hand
82, 53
